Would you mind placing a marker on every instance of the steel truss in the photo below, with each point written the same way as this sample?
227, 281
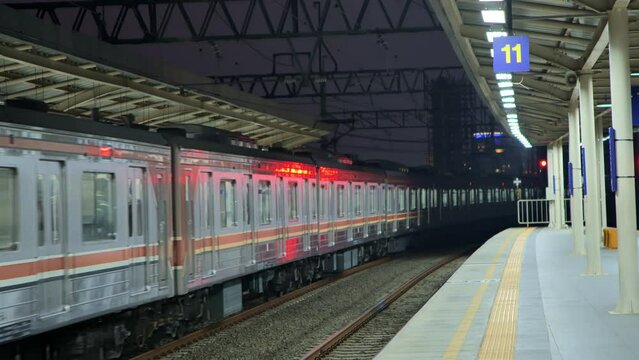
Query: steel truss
382, 119
340, 83
148, 21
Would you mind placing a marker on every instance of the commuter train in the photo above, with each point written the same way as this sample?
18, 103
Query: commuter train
151, 232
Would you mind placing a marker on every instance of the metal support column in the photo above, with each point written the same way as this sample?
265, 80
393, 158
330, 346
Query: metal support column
599, 133
625, 196
592, 188
558, 164
576, 200
550, 189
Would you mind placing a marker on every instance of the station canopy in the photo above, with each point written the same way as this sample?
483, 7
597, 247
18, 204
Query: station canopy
77, 75
564, 36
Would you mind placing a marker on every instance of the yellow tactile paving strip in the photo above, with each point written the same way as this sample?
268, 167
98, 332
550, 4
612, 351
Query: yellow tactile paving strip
501, 331
458, 339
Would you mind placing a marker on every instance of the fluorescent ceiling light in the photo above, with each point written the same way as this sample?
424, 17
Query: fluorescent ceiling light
503, 76
505, 84
491, 35
511, 116
509, 105
491, 0
493, 16
492, 53
601, 106
634, 74
508, 99
507, 92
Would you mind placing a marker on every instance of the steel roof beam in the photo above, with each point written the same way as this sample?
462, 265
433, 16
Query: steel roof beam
479, 33
224, 20
293, 143
268, 141
81, 97
105, 79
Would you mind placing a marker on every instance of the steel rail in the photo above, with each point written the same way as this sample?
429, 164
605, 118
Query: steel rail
323, 349
211, 329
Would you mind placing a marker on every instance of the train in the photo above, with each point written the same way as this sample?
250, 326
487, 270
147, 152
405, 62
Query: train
146, 232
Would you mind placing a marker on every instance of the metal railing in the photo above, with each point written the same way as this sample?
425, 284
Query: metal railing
536, 211
533, 211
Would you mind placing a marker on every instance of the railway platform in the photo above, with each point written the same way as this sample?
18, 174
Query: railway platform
522, 295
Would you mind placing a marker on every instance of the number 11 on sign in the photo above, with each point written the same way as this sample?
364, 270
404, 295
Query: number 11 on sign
511, 54
516, 49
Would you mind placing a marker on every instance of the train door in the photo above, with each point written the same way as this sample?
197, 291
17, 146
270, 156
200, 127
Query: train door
390, 209
204, 215
229, 220
187, 223
332, 216
310, 207
52, 241
163, 206
137, 229
250, 221
266, 227
293, 217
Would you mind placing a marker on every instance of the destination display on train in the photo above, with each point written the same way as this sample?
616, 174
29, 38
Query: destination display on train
511, 54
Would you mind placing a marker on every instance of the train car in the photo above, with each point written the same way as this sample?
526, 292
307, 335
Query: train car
153, 232
85, 221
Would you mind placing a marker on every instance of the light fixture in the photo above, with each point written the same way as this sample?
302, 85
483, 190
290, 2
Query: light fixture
493, 16
507, 92
634, 74
503, 76
602, 106
508, 99
492, 53
509, 105
505, 84
491, 35
511, 116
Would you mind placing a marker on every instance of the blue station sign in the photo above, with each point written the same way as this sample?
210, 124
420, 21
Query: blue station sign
511, 54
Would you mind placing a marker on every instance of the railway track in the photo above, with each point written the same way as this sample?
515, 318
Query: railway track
208, 330
362, 338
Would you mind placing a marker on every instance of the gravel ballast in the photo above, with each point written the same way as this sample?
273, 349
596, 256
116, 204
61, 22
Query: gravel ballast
290, 330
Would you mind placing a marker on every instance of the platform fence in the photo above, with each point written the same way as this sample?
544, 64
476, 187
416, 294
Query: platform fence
537, 212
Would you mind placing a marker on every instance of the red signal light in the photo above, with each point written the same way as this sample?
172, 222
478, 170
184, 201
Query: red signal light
543, 163
106, 151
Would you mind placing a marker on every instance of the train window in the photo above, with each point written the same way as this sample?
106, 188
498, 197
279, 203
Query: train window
413, 199
357, 200
206, 200
40, 196
228, 216
9, 206
313, 201
422, 198
401, 199
372, 200
264, 201
293, 213
340, 201
98, 206
389, 198
322, 201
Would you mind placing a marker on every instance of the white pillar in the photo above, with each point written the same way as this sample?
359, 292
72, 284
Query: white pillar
559, 184
576, 200
593, 209
625, 196
550, 193
599, 131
